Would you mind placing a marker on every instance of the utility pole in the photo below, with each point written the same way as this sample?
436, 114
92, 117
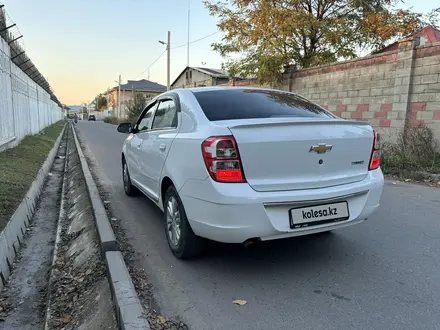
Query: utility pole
187, 46
119, 97
168, 44
168, 60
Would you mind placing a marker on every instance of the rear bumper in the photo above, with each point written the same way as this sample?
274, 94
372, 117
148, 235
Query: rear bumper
234, 213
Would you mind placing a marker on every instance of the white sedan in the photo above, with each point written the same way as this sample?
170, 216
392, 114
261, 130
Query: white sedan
238, 165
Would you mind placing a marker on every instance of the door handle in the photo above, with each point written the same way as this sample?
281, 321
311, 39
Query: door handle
139, 145
162, 147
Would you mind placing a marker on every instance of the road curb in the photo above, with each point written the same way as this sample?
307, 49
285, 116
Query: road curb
105, 231
12, 235
129, 311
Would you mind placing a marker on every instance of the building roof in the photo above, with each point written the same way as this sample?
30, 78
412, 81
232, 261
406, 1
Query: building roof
428, 35
215, 73
142, 85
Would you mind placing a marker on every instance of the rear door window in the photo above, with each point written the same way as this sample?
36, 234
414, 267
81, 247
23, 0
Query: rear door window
165, 115
227, 104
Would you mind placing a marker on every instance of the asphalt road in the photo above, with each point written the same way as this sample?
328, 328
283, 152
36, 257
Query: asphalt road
382, 274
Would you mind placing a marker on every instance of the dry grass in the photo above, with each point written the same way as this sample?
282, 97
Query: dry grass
111, 120
417, 150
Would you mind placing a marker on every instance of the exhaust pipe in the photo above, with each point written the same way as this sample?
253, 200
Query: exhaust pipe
250, 241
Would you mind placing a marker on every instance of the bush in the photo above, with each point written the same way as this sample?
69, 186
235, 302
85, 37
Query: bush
414, 150
111, 120
136, 107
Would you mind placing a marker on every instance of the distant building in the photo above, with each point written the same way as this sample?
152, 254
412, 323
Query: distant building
74, 108
428, 35
128, 92
200, 77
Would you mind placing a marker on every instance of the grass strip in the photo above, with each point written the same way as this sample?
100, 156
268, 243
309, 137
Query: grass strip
19, 167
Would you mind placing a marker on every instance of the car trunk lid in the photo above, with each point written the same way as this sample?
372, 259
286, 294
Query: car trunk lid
302, 153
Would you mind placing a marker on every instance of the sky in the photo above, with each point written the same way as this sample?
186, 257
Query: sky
82, 46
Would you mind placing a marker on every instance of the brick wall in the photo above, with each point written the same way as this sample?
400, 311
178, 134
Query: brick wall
424, 100
362, 89
384, 89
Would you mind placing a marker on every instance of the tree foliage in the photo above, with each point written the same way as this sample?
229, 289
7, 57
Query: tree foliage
100, 102
135, 107
271, 34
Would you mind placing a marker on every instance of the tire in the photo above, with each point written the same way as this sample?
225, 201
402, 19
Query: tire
129, 189
186, 245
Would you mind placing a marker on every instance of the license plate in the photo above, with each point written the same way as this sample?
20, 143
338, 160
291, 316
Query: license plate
318, 214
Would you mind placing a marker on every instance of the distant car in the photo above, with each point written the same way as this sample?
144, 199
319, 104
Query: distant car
238, 165
92, 118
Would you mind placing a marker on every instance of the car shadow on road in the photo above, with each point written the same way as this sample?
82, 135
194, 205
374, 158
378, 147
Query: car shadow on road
298, 250
303, 254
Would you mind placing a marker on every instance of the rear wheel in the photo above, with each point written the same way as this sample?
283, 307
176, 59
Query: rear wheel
129, 189
181, 239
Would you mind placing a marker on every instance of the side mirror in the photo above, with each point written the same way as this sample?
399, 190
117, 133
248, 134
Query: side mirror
125, 128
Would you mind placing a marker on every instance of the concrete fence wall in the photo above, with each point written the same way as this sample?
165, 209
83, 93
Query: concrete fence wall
25, 107
386, 89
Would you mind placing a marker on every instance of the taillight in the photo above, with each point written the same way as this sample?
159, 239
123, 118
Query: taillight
375, 153
222, 159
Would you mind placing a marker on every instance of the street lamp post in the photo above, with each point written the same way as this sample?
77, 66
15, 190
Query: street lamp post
187, 46
168, 58
117, 113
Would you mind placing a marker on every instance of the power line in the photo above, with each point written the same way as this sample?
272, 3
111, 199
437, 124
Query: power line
197, 40
185, 44
157, 59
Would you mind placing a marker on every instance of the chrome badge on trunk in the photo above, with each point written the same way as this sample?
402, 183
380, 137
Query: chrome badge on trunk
321, 148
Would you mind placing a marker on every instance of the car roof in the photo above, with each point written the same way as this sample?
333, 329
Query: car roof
222, 88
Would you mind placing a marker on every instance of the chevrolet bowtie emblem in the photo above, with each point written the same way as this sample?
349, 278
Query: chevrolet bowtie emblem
321, 148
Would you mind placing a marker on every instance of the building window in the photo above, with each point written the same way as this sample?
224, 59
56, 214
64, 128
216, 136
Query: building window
190, 75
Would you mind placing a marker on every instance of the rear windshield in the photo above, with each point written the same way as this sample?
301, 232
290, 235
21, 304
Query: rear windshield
225, 104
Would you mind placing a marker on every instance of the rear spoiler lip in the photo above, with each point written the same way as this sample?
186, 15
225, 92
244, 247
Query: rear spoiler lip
298, 123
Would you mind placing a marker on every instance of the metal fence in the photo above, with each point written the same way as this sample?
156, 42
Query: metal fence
25, 106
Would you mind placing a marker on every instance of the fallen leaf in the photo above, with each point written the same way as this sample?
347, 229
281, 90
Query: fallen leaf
67, 319
407, 180
162, 319
240, 302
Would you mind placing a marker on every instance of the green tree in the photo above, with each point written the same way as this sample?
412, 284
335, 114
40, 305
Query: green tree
135, 107
100, 102
268, 35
